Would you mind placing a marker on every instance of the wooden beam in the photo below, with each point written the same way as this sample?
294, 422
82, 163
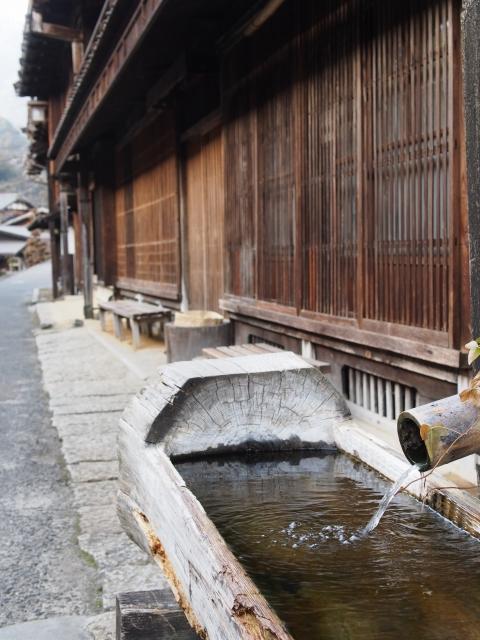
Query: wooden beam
250, 23
471, 87
324, 326
167, 82
77, 56
87, 266
203, 126
66, 280
54, 31
68, 133
327, 348
54, 237
151, 614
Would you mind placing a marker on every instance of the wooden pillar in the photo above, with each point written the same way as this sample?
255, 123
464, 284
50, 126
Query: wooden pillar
55, 255
66, 274
470, 28
54, 243
183, 229
77, 55
104, 207
84, 207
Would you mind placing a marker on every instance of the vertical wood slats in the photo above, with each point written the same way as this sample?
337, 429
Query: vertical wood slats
275, 176
344, 127
330, 169
240, 203
376, 394
147, 208
260, 171
204, 196
408, 106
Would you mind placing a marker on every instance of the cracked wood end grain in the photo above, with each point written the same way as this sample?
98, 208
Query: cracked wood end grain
275, 401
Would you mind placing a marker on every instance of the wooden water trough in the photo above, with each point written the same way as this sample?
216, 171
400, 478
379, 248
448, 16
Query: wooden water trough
268, 402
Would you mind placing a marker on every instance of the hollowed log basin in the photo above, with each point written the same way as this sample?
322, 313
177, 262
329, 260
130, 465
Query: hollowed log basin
274, 402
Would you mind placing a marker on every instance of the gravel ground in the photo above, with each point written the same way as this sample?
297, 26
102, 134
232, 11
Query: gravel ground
43, 572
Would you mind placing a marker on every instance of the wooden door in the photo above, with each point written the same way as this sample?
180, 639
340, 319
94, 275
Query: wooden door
204, 213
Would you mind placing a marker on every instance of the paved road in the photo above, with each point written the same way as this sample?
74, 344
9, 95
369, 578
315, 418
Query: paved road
42, 572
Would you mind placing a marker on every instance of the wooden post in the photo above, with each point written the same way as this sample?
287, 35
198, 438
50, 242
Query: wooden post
84, 209
454, 89
103, 320
77, 55
54, 240
470, 43
151, 614
54, 258
66, 279
118, 327
103, 210
135, 326
182, 159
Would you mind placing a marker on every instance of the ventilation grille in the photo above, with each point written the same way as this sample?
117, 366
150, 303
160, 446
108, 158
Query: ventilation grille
378, 395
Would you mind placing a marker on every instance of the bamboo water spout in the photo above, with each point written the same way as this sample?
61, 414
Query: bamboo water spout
442, 431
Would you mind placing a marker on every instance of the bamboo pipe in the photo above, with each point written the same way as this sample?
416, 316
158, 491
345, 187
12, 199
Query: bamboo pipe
442, 431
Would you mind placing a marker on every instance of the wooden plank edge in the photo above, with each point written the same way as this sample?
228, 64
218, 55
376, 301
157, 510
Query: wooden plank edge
152, 614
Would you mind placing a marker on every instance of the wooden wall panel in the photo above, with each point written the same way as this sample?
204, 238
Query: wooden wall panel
205, 206
104, 215
407, 141
329, 171
147, 212
240, 196
258, 82
276, 211
342, 160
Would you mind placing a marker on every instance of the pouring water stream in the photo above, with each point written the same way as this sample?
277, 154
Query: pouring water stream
405, 478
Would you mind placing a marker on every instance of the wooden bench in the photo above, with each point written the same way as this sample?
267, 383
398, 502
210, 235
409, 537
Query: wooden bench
137, 313
256, 348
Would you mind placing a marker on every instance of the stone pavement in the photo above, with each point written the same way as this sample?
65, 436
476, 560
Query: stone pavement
88, 388
61, 628
42, 571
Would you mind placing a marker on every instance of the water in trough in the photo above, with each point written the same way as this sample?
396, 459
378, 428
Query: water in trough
290, 522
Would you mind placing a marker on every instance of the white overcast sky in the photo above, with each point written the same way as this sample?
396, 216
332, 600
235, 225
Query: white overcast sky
12, 17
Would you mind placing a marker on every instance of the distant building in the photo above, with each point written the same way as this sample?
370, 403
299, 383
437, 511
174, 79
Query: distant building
13, 241
7, 199
15, 210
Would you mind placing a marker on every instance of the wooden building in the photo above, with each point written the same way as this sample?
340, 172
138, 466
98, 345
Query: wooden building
299, 165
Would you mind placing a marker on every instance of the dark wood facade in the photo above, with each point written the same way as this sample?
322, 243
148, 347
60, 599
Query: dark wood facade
343, 188
147, 211
299, 165
204, 220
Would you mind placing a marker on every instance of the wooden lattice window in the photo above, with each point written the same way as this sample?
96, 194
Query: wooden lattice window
147, 212
343, 164
407, 148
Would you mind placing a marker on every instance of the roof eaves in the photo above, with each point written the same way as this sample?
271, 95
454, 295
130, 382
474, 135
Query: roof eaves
79, 83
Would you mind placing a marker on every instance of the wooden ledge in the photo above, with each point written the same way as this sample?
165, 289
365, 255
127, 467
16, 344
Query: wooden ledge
419, 350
